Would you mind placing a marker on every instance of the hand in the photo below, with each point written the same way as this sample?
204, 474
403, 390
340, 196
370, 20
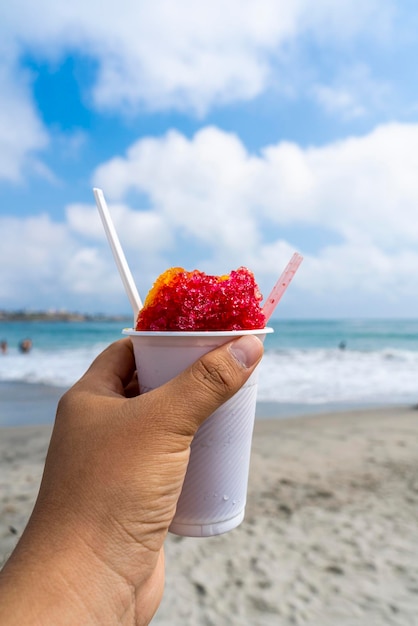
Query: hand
92, 552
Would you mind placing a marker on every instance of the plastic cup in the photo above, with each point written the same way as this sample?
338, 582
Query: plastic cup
214, 493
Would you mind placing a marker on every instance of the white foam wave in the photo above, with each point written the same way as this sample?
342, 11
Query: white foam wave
324, 376
60, 368
312, 376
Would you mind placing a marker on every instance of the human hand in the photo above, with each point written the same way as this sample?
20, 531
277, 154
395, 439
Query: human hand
92, 552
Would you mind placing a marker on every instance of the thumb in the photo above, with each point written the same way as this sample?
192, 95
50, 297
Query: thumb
189, 398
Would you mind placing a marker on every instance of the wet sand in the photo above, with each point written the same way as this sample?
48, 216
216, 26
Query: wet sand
330, 535
22, 403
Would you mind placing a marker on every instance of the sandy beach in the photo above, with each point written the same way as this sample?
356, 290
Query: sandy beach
330, 535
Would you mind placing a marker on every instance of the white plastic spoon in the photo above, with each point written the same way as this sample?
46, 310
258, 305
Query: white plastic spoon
118, 254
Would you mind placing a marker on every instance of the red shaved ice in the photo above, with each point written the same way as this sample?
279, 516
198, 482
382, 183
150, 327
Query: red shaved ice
186, 301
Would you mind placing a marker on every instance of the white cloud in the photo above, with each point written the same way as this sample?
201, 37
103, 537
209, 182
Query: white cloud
47, 266
188, 55
339, 100
217, 206
22, 135
350, 269
197, 186
185, 55
363, 189
86, 272
34, 251
142, 231
354, 93
208, 195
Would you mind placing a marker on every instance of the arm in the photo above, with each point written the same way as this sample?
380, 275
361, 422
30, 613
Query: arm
92, 552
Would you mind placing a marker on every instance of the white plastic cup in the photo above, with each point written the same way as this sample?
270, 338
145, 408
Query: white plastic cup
214, 493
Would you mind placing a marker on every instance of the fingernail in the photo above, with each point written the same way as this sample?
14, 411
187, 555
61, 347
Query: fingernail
246, 350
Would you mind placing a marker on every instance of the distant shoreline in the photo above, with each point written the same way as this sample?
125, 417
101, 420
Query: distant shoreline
58, 316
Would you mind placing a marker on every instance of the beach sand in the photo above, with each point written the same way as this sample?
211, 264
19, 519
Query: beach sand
330, 535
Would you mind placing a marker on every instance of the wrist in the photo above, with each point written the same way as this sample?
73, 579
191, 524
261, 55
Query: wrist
62, 582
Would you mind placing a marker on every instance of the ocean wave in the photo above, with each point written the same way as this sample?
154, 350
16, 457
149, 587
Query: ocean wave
325, 376
59, 368
308, 376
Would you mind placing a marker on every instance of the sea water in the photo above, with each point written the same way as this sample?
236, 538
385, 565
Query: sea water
311, 363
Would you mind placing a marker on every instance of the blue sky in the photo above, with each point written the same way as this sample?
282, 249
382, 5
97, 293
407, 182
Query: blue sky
222, 135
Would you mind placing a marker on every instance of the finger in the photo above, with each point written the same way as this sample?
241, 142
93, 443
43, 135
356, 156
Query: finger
187, 400
112, 371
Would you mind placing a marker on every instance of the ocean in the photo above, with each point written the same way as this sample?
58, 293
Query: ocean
309, 365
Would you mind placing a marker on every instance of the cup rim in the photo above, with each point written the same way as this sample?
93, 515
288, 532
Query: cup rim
197, 333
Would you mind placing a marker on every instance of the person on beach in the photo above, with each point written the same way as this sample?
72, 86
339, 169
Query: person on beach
3, 347
25, 345
92, 551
